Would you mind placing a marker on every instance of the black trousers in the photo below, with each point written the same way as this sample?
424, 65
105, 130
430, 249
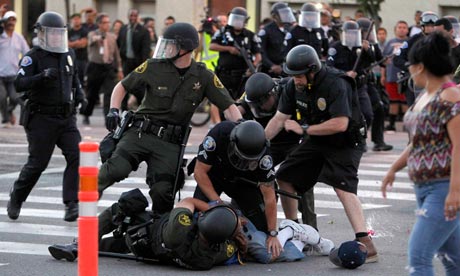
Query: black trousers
248, 198
234, 81
378, 122
44, 132
101, 78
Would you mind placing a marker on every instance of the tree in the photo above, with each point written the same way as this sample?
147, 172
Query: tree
371, 7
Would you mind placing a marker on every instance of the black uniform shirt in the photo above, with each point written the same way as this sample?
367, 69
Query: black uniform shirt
341, 57
314, 38
180, 235
245, 38
80, 53
273, 44
320, 103
49, 92
213, 151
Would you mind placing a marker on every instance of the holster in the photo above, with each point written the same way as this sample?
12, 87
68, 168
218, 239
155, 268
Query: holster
25, 115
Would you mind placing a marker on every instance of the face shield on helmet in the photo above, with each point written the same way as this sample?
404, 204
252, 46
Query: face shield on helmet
351, 38
237, 21
264, 106
166, 49
372, 36
310, 19
240, 161
53, 39
428, 18
286, 15
456, 32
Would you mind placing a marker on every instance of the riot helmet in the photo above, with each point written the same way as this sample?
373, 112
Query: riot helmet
283, 13
178, 36
238, 18
428, 18
51, 32
247, 145
218, 224
261, 95
365, 23
455, 26
351, 34
302, 59
309, 16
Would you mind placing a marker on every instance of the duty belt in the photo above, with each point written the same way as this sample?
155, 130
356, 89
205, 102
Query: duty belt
167, 132
66, 109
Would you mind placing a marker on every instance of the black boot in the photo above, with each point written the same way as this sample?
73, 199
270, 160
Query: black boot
64, 251
14, 206
71, 211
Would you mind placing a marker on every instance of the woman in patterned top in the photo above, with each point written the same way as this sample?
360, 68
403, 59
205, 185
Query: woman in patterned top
433, 158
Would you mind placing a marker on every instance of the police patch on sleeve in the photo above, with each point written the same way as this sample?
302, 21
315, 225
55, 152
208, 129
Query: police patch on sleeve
261, 32
141, 68
266, 162
21, 72
288, 36
217, 82
209, 144
332, 51
184, 220
26, 61
404, 45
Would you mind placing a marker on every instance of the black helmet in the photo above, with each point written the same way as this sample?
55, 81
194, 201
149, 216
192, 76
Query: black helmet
309, 7
51, 32
277, 6
50, 19
237, 18
247, 145
364, 23
259, 88
310, 16
178, 36
428, 17
302, 59
218, 224
184, 33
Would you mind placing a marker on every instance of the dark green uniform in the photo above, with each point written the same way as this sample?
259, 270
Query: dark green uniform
159, 125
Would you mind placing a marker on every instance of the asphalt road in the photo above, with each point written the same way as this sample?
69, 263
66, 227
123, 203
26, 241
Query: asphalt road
23, 243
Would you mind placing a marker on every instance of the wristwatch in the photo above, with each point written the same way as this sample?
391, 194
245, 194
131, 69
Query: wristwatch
273, 233
304, 128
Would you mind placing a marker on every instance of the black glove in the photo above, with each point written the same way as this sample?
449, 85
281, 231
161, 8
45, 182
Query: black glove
50, 73
112, 119
83, 104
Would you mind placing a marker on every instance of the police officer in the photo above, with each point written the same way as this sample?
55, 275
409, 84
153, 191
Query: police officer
48, 76
308, 31
231, 66
333, 130
235, 159
175, 85
261, 99
192, 235
378, 121
428, 19
272, 37
343, 55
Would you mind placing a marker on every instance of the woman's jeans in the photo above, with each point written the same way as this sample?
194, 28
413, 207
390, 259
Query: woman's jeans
432, 234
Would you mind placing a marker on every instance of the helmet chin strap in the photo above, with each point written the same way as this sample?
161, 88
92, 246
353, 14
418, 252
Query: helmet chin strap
180, 55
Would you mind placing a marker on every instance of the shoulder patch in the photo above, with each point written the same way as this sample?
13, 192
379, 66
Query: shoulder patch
141, 68
230, 250
209, 144
332, 52
266, 162
404, 45
184, 220
217, 82
288, 36
261, 32
26, 61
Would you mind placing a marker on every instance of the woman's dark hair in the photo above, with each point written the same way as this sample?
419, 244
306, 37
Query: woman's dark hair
434, 52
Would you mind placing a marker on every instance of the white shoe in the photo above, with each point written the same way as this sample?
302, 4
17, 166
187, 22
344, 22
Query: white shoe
302, 232
324, 247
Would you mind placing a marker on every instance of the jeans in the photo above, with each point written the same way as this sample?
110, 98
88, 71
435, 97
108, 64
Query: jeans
9, 99
432, 234
257, 248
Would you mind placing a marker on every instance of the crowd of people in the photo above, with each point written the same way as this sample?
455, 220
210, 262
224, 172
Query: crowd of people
301, 93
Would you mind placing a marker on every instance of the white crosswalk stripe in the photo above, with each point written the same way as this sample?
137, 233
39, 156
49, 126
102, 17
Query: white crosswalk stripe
45, 202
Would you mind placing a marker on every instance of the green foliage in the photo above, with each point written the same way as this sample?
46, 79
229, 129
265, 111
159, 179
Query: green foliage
370, 7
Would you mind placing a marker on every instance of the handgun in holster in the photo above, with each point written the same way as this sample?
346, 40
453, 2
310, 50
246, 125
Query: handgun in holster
126, 119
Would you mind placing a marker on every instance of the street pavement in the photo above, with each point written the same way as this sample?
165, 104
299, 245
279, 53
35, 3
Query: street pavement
24, 243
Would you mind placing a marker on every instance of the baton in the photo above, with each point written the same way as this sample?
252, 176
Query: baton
181, 157
278, 191
127, 257
358, 59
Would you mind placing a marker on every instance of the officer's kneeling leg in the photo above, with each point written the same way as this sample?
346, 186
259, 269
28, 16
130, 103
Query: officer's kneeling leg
113, 170
161, 192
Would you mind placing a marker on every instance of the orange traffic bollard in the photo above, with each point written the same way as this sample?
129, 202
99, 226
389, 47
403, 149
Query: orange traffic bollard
88, 244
